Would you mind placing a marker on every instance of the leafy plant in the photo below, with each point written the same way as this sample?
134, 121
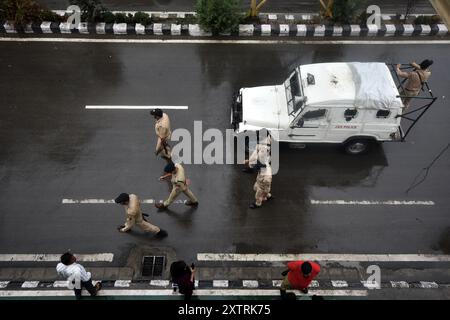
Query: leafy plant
48, 15
345, 11
91, 10
120, 17
218, 16
142, 18
428, 20
108, 17
21, 12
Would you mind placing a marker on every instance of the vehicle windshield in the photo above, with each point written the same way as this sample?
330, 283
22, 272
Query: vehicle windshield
294, 93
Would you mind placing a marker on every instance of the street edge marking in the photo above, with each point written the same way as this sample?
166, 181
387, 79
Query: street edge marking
372, 203
205, 41
323, 257
43, 257
3, 284
100, 107
169, 292
160, 283
110, 201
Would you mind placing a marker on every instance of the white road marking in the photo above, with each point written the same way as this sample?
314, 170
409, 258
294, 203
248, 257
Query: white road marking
400, 284
339, 283
3, 284
160, 283
220, 283
30, 284
428, 285
314, 284
137, 107
122, 283
110, 201
250, 284
216, 41
371, 284
97, 257
169, 292
374, 203
323, 257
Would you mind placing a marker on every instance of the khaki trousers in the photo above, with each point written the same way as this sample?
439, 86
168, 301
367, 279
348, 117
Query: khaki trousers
163, 148
176, 191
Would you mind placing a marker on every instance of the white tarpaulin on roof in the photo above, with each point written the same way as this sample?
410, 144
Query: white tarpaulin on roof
374, 86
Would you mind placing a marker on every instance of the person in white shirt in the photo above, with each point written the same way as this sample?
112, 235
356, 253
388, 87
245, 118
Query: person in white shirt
76, 275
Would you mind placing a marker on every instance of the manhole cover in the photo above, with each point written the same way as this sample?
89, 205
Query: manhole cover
153, 266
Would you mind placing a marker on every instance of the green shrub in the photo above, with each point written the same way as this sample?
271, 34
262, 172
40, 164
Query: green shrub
48, 15
142, 18
345, 11
108, 17
120, 17
428, 20
218, 16
21, 12
91, 10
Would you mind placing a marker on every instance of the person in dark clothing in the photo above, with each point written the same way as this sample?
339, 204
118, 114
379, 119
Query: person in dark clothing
184, 277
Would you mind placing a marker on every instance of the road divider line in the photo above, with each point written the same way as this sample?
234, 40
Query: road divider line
136, 107
169, 292
323, 257
373, 203
97, 257
216, 41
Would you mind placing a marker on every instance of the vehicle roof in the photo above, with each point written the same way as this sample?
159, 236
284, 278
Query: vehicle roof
362, 85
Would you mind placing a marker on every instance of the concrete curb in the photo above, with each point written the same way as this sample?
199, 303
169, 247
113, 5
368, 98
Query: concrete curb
245, 30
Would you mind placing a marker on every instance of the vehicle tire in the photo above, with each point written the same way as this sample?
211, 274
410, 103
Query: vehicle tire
357, 146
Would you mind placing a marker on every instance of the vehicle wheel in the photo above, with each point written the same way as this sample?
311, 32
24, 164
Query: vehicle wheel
358, 146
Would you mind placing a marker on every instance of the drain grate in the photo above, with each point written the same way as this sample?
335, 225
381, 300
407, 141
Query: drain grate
153, 266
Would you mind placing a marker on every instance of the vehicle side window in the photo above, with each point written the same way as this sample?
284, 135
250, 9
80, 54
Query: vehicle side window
350, 114
314, 114
383, 114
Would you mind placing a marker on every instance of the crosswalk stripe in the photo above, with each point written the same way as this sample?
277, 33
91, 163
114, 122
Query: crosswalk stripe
30, 284
400, 284
339, 283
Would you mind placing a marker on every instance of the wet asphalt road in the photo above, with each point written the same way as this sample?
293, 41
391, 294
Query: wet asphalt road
52, 148
422, 6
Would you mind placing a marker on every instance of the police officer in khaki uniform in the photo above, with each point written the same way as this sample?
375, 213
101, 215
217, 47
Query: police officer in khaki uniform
134, 215
163, 133
416, 79
178, 179
260, 161
263, 185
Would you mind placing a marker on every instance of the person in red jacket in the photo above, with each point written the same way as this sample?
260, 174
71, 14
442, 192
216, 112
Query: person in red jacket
299, 276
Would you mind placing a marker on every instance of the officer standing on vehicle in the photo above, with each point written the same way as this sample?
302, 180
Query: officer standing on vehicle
179, 184
134, 215
416, 80
163, 133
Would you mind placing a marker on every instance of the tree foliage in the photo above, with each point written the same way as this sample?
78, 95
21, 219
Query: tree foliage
345, 11
218, 16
